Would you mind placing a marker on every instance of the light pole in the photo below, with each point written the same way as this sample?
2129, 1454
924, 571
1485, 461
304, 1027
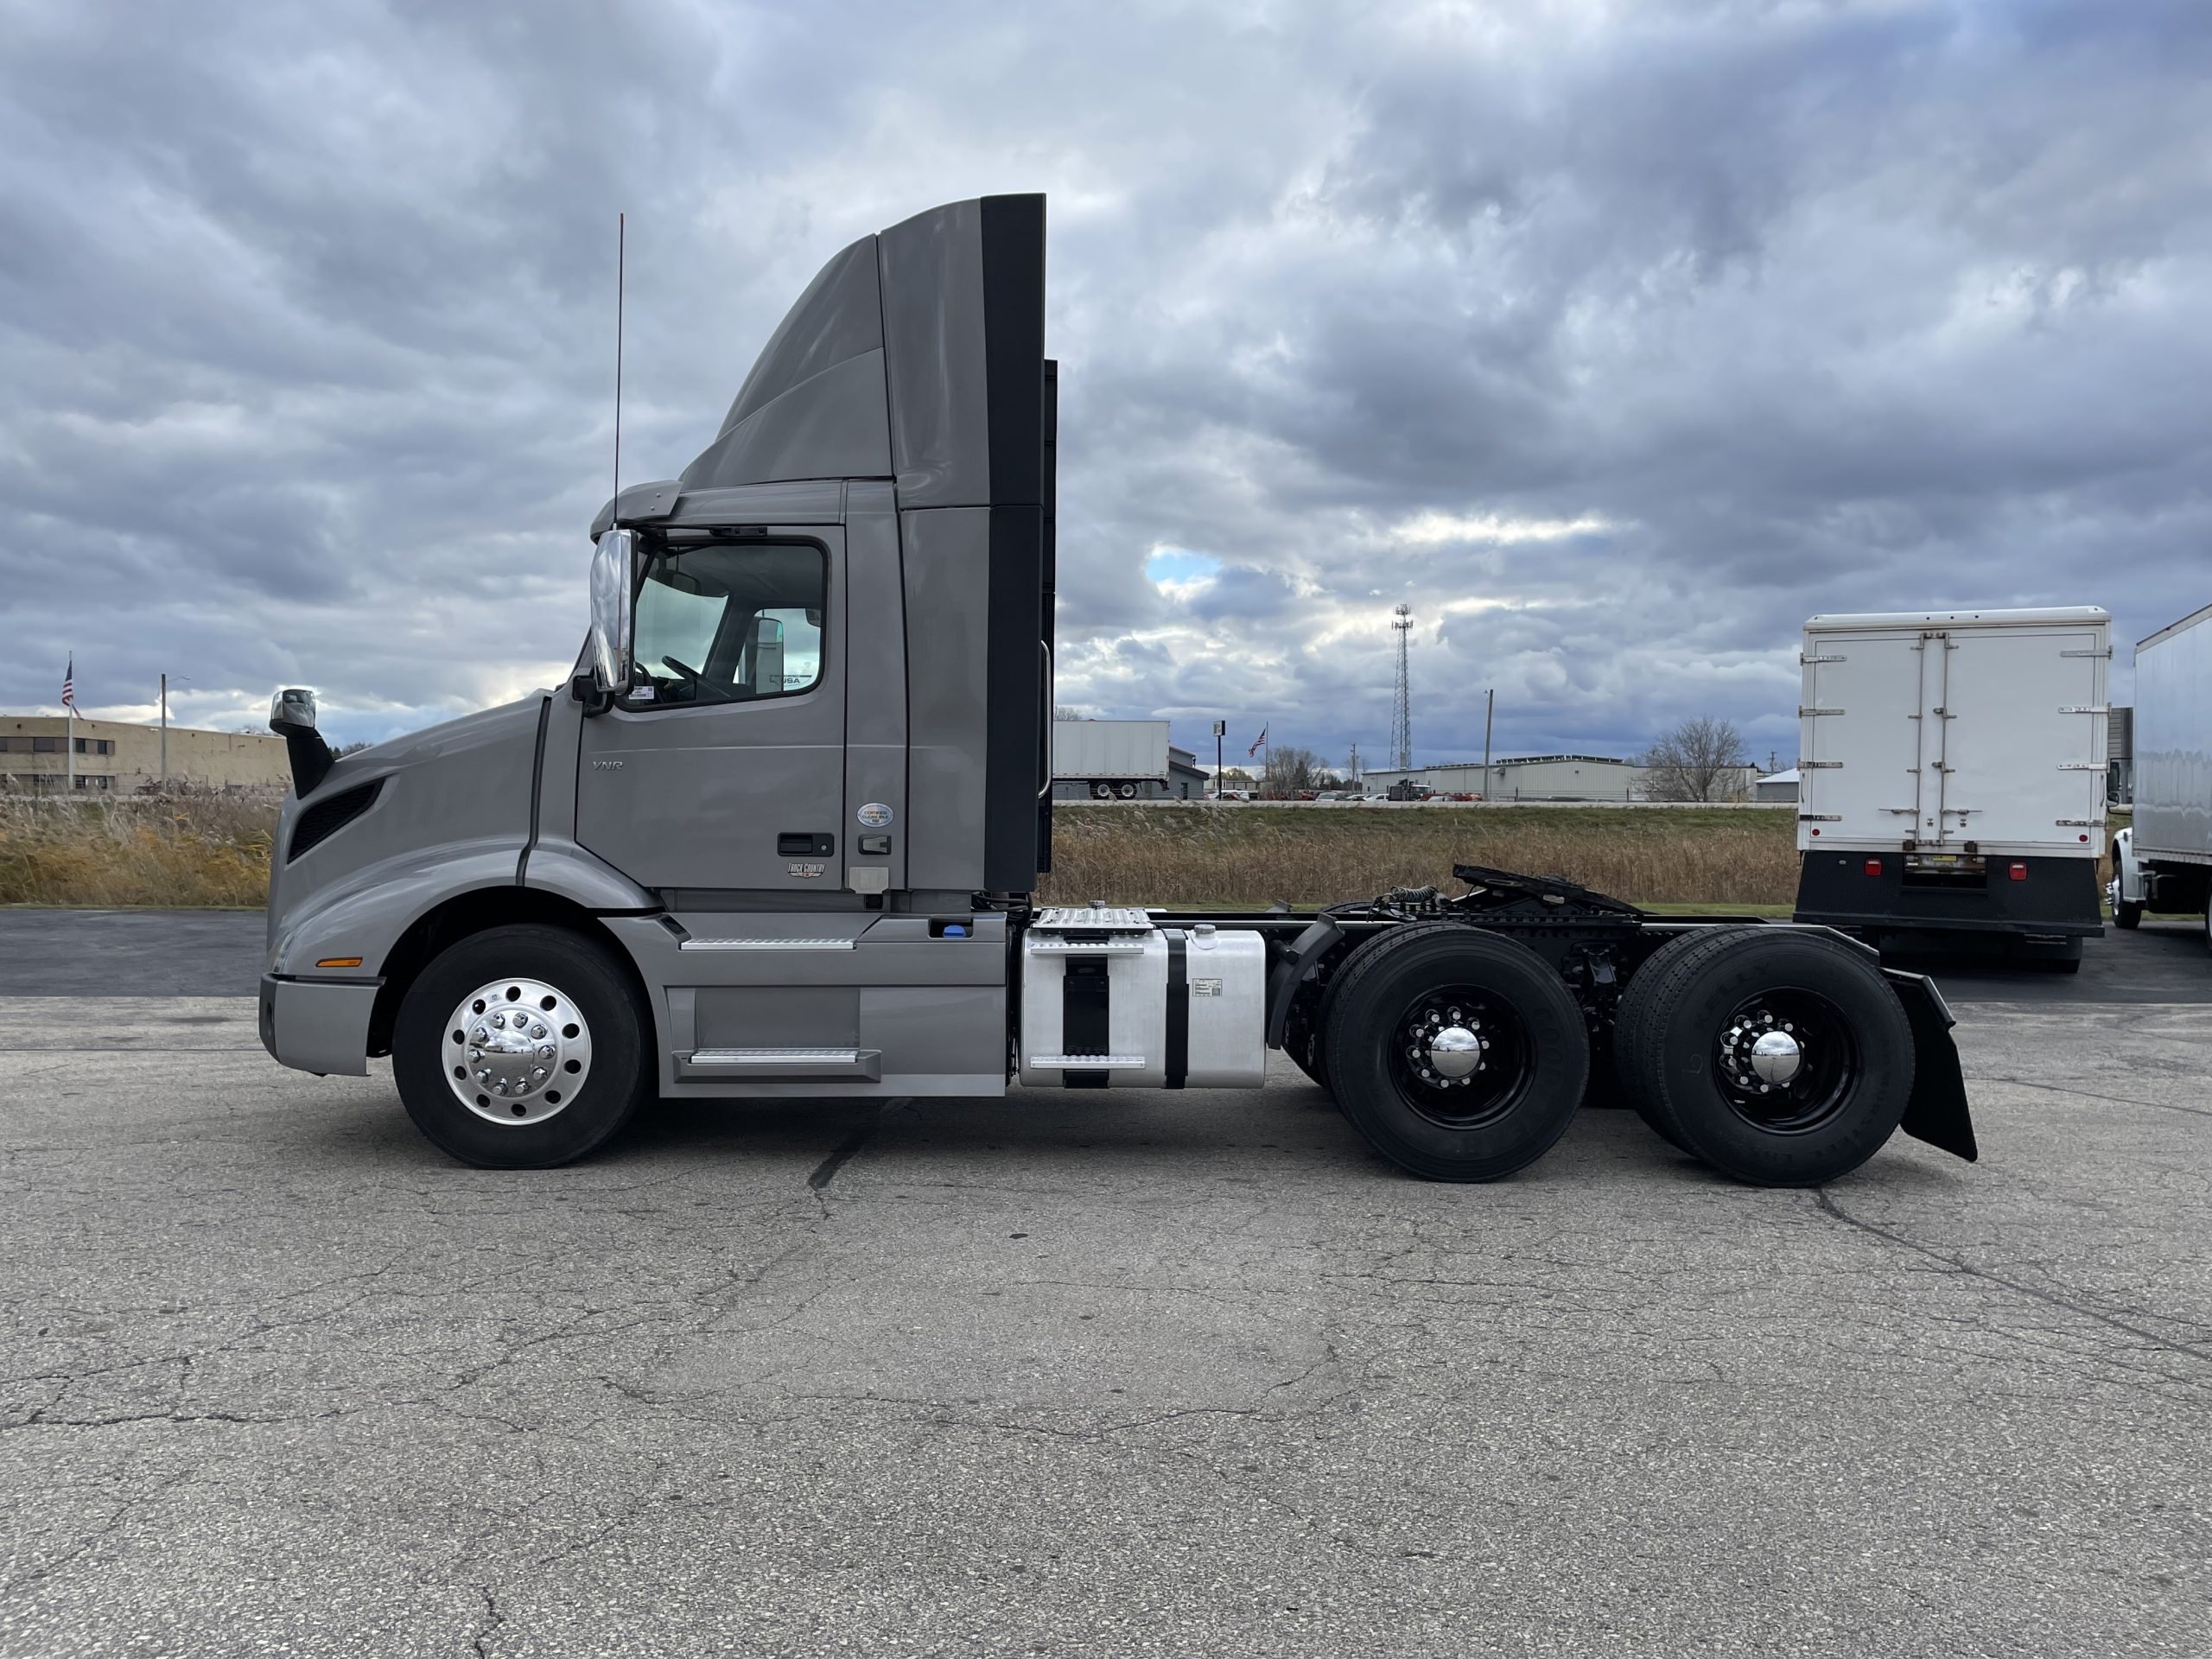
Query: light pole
181, 679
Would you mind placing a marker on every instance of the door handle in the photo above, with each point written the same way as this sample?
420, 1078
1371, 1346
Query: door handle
805, 844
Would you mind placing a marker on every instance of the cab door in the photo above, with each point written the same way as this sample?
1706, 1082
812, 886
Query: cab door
723, 770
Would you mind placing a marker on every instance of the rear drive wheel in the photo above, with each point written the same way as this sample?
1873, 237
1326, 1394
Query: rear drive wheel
1458, 1054
1781, 1058
521, 1048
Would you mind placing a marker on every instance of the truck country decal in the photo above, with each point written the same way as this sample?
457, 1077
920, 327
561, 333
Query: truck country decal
806, 872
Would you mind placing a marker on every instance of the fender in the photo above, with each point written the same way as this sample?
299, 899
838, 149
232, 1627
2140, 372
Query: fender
1297, 966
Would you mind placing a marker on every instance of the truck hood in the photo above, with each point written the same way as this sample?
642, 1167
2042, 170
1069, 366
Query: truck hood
465, 786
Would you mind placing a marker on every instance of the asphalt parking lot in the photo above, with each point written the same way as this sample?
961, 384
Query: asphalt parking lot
1145, 1374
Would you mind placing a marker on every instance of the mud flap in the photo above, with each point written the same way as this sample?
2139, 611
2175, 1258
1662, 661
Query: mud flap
1937, 1111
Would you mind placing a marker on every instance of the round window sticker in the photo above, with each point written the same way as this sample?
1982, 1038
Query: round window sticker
875, 814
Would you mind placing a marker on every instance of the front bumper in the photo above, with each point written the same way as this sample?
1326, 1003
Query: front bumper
318, 1024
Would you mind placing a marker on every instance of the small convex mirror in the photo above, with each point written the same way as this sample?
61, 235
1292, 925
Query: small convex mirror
292, 709
614, 567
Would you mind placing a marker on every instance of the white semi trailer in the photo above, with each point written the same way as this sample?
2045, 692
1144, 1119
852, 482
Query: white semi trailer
781, 833
2162, 862
1113, 759
1952, 777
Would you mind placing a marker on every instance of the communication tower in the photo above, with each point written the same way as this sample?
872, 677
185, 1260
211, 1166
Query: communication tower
1402, 721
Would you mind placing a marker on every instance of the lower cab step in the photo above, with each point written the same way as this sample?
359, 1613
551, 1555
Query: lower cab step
780, 1065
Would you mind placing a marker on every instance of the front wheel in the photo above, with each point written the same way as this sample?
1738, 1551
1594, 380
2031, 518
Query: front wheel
521, 1047
1458, 1054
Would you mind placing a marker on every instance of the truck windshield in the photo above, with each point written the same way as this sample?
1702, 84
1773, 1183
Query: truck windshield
731, 621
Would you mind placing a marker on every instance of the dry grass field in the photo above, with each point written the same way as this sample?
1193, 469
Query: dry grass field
182, 850
208, 850
1252, 855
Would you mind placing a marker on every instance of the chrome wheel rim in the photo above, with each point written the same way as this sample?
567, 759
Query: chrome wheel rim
517, 1052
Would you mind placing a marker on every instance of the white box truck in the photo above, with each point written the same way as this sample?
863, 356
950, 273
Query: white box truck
1952, 777
2164, 860
1114, 759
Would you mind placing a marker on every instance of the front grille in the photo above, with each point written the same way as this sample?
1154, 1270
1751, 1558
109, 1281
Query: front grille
324, 819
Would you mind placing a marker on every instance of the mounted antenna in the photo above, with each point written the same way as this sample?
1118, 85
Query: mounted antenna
621, 262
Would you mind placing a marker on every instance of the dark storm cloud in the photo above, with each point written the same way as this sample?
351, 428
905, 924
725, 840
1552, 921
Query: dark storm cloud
1616, 340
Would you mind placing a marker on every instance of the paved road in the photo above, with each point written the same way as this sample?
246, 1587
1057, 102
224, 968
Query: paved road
197, 953
1143, 1375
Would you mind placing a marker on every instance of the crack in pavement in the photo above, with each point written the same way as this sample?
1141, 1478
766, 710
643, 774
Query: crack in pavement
493, 1619
2088, 1094
2050, 1298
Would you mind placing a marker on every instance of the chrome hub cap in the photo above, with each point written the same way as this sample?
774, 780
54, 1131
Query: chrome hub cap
516, 1051
1455, 1051
1446, 1045
1776, 1055
1759, 1053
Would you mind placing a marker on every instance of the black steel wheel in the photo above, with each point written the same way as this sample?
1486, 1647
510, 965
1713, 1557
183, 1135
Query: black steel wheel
1780, 1057
1460, 1055
522, 1048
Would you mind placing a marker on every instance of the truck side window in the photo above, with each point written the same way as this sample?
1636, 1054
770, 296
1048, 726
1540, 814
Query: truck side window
731, 622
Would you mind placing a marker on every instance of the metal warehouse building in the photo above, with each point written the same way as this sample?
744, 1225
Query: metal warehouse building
1526, 777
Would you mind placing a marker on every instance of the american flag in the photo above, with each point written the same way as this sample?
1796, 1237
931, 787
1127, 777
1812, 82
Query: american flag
1256, 741
69, 683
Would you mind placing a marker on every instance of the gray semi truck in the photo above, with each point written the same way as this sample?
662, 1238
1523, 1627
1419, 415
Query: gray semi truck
778, 835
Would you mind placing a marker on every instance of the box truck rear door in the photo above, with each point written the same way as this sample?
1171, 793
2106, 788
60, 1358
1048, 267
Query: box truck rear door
1859, 737
2023, 732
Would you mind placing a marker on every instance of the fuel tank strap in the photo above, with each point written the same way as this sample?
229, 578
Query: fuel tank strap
1179, 1009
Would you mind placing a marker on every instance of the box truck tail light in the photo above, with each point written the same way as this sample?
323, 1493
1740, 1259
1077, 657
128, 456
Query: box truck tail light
1873, 867
2018, 872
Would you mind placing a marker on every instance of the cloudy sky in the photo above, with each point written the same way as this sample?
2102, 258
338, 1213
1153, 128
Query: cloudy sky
1614, 338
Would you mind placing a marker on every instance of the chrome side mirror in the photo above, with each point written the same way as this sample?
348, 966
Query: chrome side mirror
292, 710
614, 581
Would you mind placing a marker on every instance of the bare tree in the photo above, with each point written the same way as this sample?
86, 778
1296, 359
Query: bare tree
1290, 769
1700, 760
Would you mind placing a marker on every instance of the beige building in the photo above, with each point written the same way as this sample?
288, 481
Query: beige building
113, 757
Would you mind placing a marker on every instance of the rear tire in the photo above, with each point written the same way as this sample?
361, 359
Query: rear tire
1687, 1061
2126, 916
1385, 1048
603, 1012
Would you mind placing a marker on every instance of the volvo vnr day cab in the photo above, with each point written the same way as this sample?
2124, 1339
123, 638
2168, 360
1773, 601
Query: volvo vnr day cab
2162, 862
1951, 786
780, 836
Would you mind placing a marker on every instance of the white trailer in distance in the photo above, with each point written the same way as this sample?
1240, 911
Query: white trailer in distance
1952, 779
2162, 862
1114, 759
